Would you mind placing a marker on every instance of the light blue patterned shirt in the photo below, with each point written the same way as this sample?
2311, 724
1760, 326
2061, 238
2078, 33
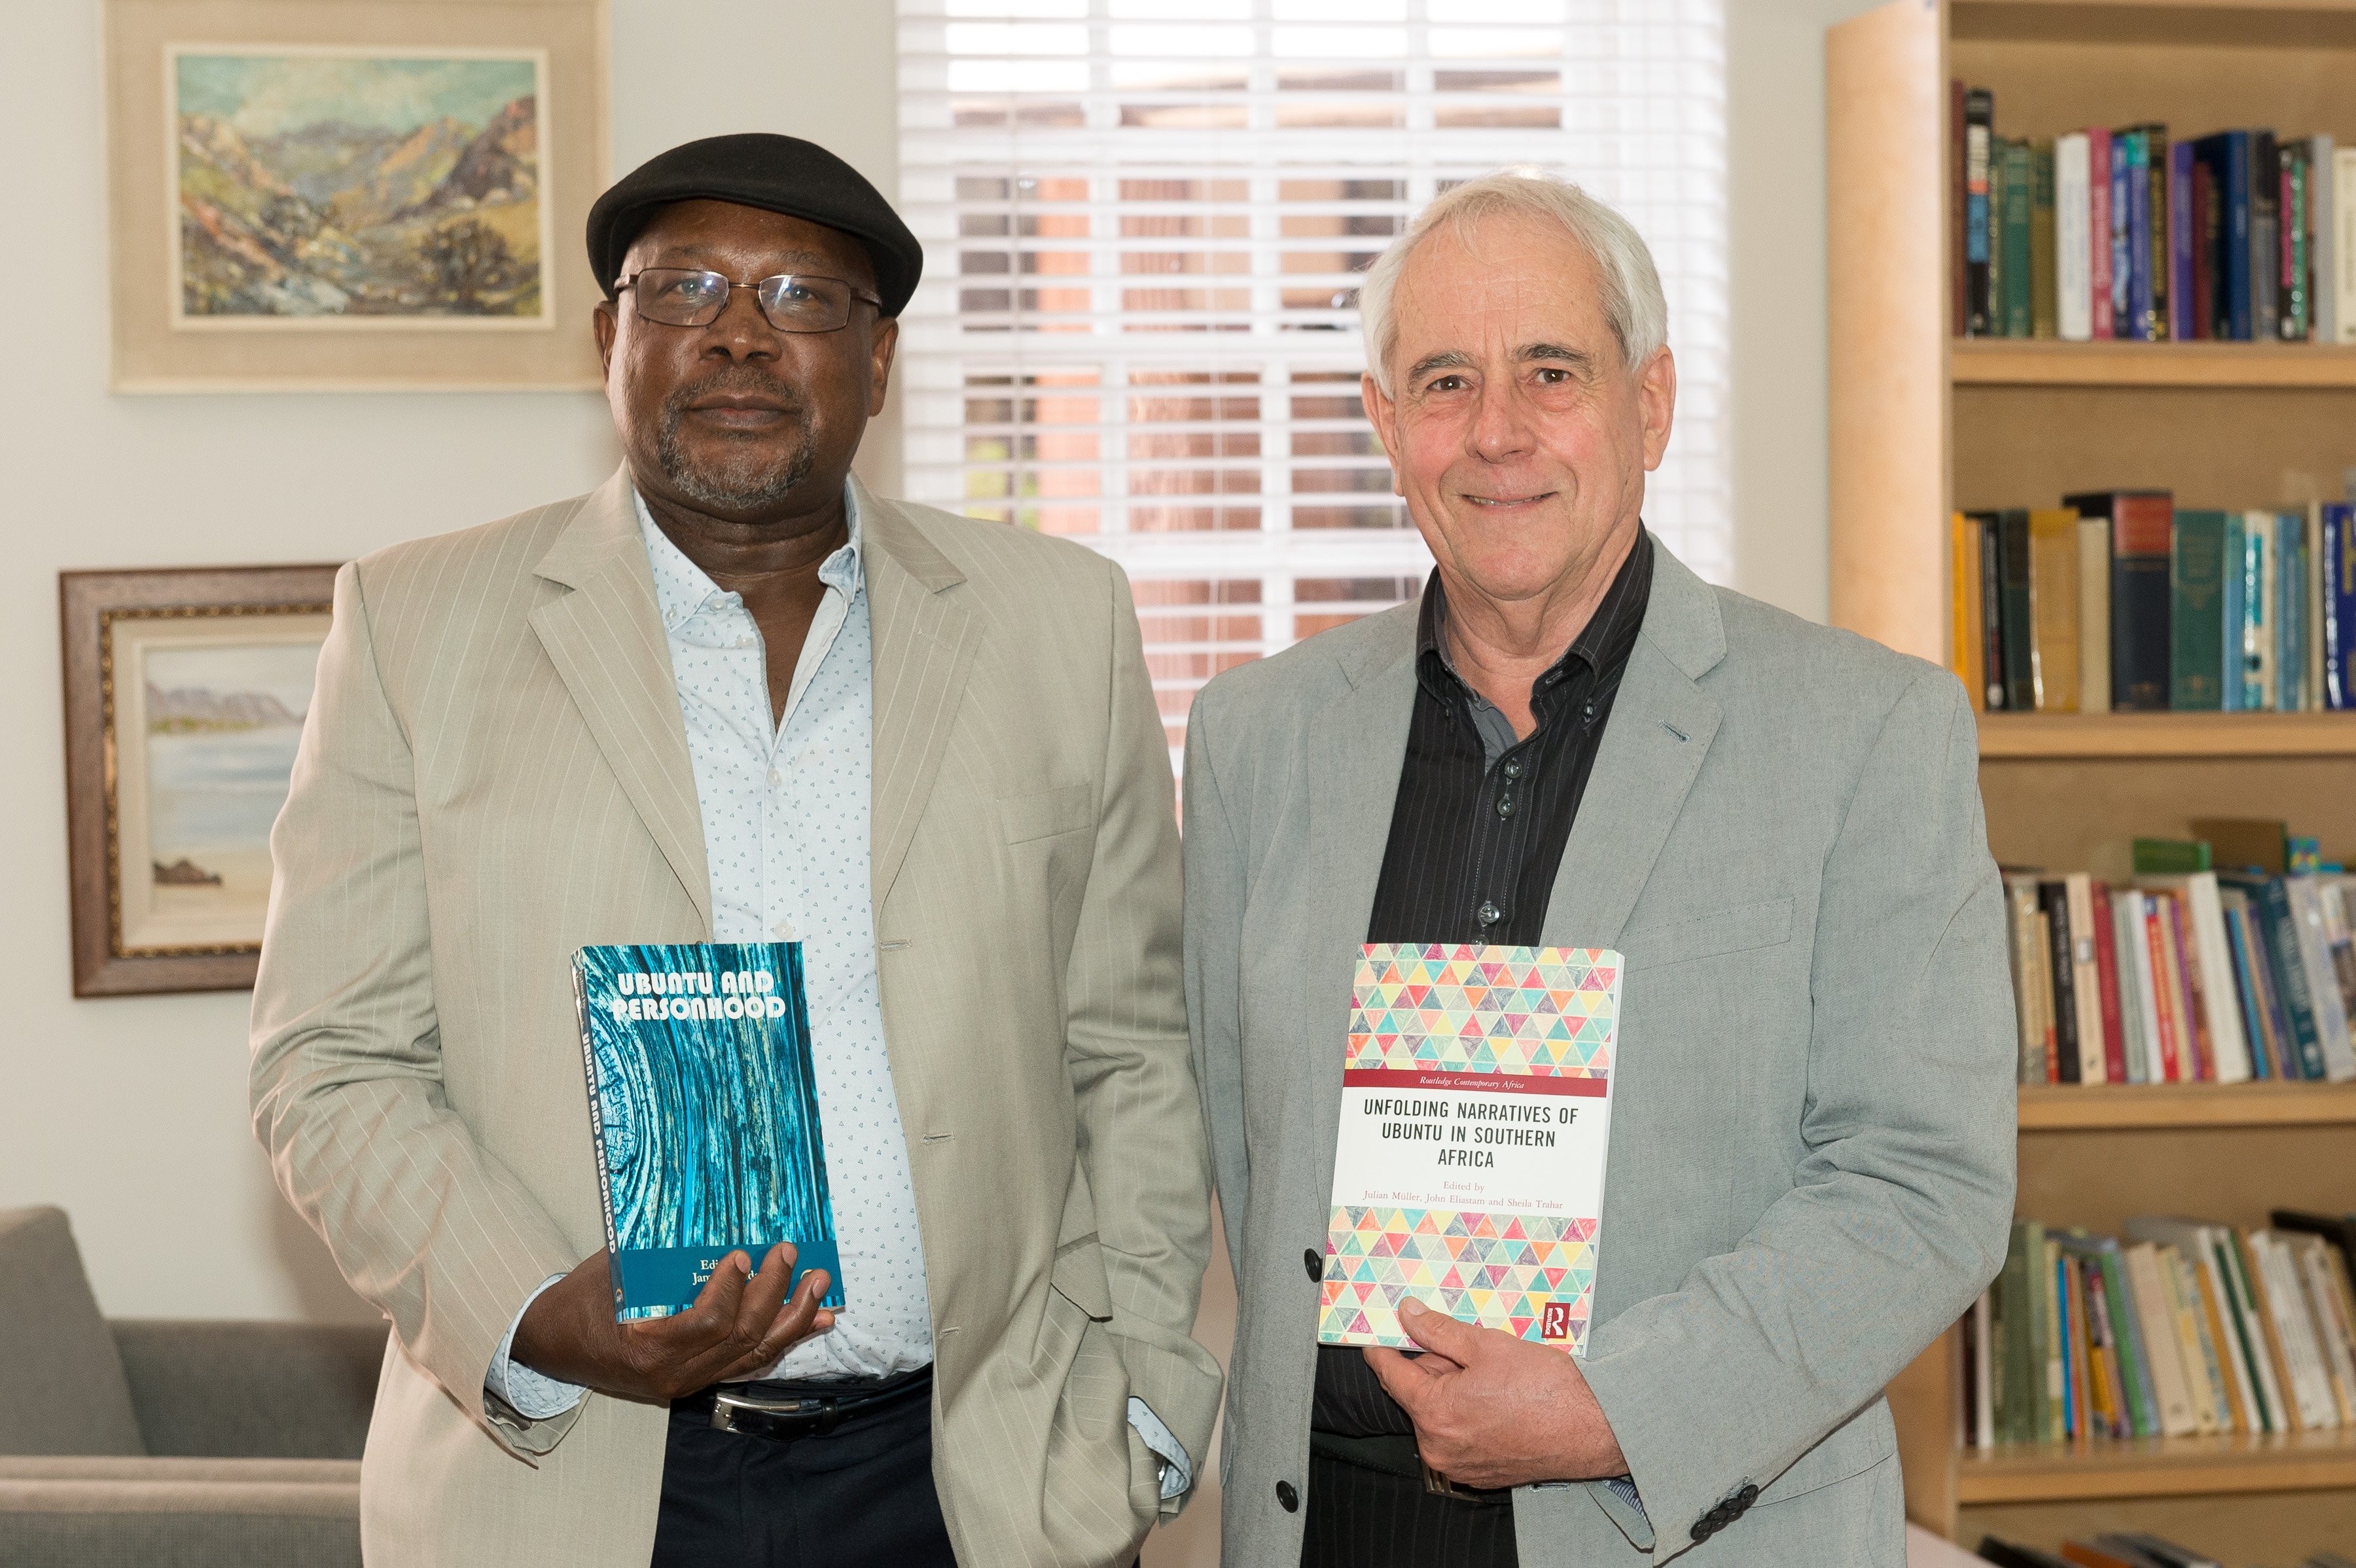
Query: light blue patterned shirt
785, 831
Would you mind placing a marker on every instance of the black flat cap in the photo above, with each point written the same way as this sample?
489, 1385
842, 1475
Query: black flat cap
776, 174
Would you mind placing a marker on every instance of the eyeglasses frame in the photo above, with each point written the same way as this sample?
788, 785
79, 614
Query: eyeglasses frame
627, 281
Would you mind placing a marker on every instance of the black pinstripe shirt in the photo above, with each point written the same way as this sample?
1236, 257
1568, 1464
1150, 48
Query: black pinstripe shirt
1477, 833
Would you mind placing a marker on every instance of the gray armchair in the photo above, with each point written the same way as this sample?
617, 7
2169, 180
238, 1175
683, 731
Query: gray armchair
169, 1444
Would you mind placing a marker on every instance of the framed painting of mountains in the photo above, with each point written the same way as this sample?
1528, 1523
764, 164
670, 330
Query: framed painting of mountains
186, 692
313, 195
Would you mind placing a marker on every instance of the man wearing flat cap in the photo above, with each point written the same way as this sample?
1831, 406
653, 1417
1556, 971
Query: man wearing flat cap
732, 696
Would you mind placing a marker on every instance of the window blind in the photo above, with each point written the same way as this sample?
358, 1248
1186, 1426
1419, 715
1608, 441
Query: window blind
1144, 221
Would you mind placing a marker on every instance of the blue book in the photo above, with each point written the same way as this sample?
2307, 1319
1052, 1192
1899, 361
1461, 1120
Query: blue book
2291, 610
2278, 931
704, 1111
2180, 240
2338, 628
2245, 992
2123, 245
2141, 316
2239, 285
2236, 612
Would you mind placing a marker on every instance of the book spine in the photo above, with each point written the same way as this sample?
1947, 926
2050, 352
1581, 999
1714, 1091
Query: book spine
2014, 612
2323, 235
2135, 1369
2106, 973
2279, 926
596, 1119
2291, 694
2122, 234
2053, 604
2197, 612
2204, 1378
2166, 1005
2141, 536
1963, 574
1958, 213
2156, 253
2184, 949
2093, 615
2103, 1373
2235, 242
2337, 634
1979, 111
2142, 317
2017, 1391
2073, 262
2135, 989
2053, 899
2019, 199
2204, 248
2265, 266
2246, 995
2282, 1046
2250, 633
2069, 1322
1991, 599
2043, 306
2343, 242
2099, 227
2180, 240
2299, 324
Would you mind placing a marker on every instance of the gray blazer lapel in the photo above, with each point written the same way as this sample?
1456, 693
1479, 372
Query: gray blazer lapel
923, 648
606, 640
1661, 727
1356, 749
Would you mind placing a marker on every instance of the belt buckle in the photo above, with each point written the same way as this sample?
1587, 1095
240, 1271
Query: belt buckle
752, 1415
1440, 1486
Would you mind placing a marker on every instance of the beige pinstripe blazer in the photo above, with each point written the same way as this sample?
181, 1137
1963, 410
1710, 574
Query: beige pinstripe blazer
495, 773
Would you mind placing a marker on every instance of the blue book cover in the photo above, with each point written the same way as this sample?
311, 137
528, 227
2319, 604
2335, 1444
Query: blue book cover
2238, 193
2291, 610
703, 1108
2279, 935
2338, 628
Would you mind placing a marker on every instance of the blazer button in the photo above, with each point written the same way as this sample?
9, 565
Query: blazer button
1287, 1499
1748, 1495
1310, 1261
1701, 1530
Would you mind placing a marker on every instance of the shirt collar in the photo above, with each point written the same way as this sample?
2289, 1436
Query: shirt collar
684, 590
1602, 644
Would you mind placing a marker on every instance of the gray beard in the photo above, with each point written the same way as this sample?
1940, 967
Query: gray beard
740, 482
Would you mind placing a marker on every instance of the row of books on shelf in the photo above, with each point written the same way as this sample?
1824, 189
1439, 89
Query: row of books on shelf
2120, 1548
2196, 977
2175, 1329
2121, 600
2241, 235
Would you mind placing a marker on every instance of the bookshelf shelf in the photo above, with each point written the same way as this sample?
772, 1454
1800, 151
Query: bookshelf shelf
2167, 736
2057, 1472
2071, 1108
1997, 361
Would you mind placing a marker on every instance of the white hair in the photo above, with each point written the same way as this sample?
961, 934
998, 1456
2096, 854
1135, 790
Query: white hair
1632, 304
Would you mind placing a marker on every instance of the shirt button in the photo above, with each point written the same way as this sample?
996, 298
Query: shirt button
1313, 1264
1287, 1499
783, 930
776, 778
1504, 805
1488, 914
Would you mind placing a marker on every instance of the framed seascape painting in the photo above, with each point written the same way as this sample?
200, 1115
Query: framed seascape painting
184, 696
314, 193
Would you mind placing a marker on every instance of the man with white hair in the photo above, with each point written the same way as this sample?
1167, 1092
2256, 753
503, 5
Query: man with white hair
1573, 741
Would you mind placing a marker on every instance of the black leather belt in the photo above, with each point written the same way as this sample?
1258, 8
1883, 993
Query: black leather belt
1396, 1456
783, 1412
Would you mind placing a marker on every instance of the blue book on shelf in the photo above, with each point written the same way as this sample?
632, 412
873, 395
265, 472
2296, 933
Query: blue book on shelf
2237, 630
2123, 245
2140, 315
2238, 192
704, 1112
2180, 240
2291, 609
2278, 933
2338, 628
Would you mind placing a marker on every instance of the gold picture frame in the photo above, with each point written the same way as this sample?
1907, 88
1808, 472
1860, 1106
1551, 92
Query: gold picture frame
314, 196
185, 697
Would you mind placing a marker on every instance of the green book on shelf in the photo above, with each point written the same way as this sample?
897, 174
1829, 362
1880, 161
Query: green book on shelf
2022, 1358
2020, 202
2196, 612
2170, 857
2044, 284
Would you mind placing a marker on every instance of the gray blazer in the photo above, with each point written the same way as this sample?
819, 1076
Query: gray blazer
1812, 1141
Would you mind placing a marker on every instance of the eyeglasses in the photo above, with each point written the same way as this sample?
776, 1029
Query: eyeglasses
679, 296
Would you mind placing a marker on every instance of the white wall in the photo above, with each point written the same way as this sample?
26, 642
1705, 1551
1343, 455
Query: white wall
131, 1113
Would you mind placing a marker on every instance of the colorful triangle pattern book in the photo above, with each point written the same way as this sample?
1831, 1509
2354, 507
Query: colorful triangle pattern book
1476, 1115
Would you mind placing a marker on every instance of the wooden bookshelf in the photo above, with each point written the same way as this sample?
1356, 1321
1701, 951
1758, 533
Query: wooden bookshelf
2073, 1108
2007, 361
1923, 425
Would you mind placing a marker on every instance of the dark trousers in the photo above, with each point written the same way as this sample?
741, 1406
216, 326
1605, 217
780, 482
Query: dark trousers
1360, 1518
860, 1497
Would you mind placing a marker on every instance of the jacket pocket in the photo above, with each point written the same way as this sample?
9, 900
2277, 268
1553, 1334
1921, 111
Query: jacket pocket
1046, 813
1866, 1440
1746, 925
